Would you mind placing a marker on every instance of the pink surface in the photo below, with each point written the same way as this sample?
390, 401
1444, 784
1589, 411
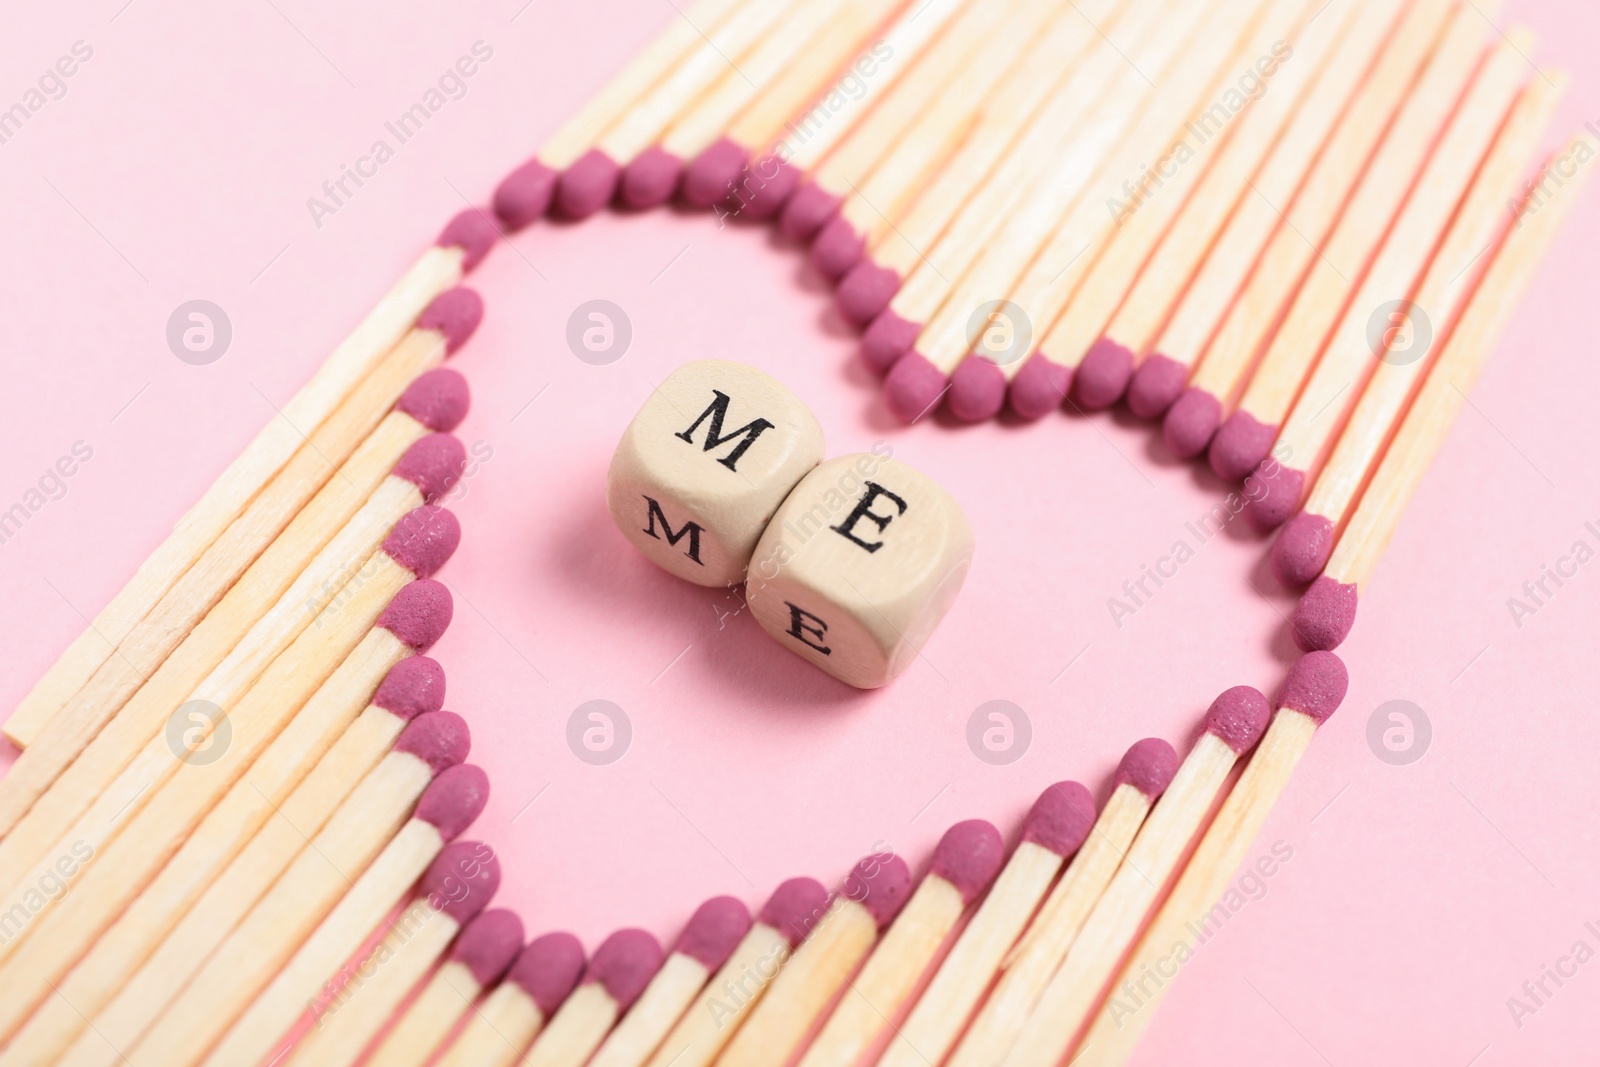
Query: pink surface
1418, 898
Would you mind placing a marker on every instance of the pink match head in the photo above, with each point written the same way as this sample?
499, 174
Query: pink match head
838, 247
887, 339
1039, 387
1191, 421
455, 313
913, 387
454, 800
1156, 386
419, 614
424, 540
432, 464
768, 191
977, 389
1274, 492
1240, 445
807, 211
624, 964
795, 908
488, 944
548, 969
714, 174
441, 739
865, 291
1316, 685
461, 880
1239, 717
1324, 616
881, 884
438, 399
1302, 549
969, 856
524, 195
714, 931
1148, 766
1060, 819
414, 686
650, 180
1104, 374
472, 231
588, 185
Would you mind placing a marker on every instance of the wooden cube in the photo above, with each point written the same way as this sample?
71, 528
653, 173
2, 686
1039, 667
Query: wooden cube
858, 567
705, 464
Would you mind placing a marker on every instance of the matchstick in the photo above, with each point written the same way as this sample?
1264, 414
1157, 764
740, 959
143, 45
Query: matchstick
354, 1005
1337, 267
459, 248
617, 974
1351, 103
1340, 374
713, 932
1055, 828
727, 1000
1233, 725
511, 1016
870, 899
1306, 541
335, 465
1313, 691
964, 863
1327, 611
1146, 770
479, 958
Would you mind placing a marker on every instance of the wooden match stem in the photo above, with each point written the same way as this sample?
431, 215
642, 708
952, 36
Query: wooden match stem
653, 1015
576, 1029
429, 1019
497, 1032
727, 1000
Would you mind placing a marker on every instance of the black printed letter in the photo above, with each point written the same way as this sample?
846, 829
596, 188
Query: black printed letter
716, 438
804, 631
864, 511
690, 528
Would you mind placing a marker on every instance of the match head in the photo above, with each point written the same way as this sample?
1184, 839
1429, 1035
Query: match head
1239, 717
914, 385
432, 464
865, 291
1274, 491
1148, 766
1324, 616
488, 944
807, 211
441, 739
838, 247
548, 969
969, 856
977, 389
1240, 445
794, 908
524, 195
438, 399
413, 687
650, 180
1039, 388
881, 884
714, 931
473, 232
1191, 422
424, 540
1103, 377
454, 800
775, 180
1302, 549
624, 964
1316, 685
1061, 818
419, 614
887, 339
455, 313
1156, 386
461, 880
588, 185
711, 178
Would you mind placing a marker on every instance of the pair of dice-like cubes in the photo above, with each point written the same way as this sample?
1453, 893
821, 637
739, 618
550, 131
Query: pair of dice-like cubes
849, 563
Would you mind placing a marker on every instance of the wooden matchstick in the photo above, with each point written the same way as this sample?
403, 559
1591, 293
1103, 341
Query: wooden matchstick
511, 1016
1056, 826
617, 974
714, 931
1143, 775
1313, 691
481, 955
965, 862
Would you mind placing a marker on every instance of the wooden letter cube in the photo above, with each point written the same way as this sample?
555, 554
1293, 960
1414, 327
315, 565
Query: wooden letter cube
705, 463
859, 566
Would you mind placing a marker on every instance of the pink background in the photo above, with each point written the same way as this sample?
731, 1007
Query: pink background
1419, 897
